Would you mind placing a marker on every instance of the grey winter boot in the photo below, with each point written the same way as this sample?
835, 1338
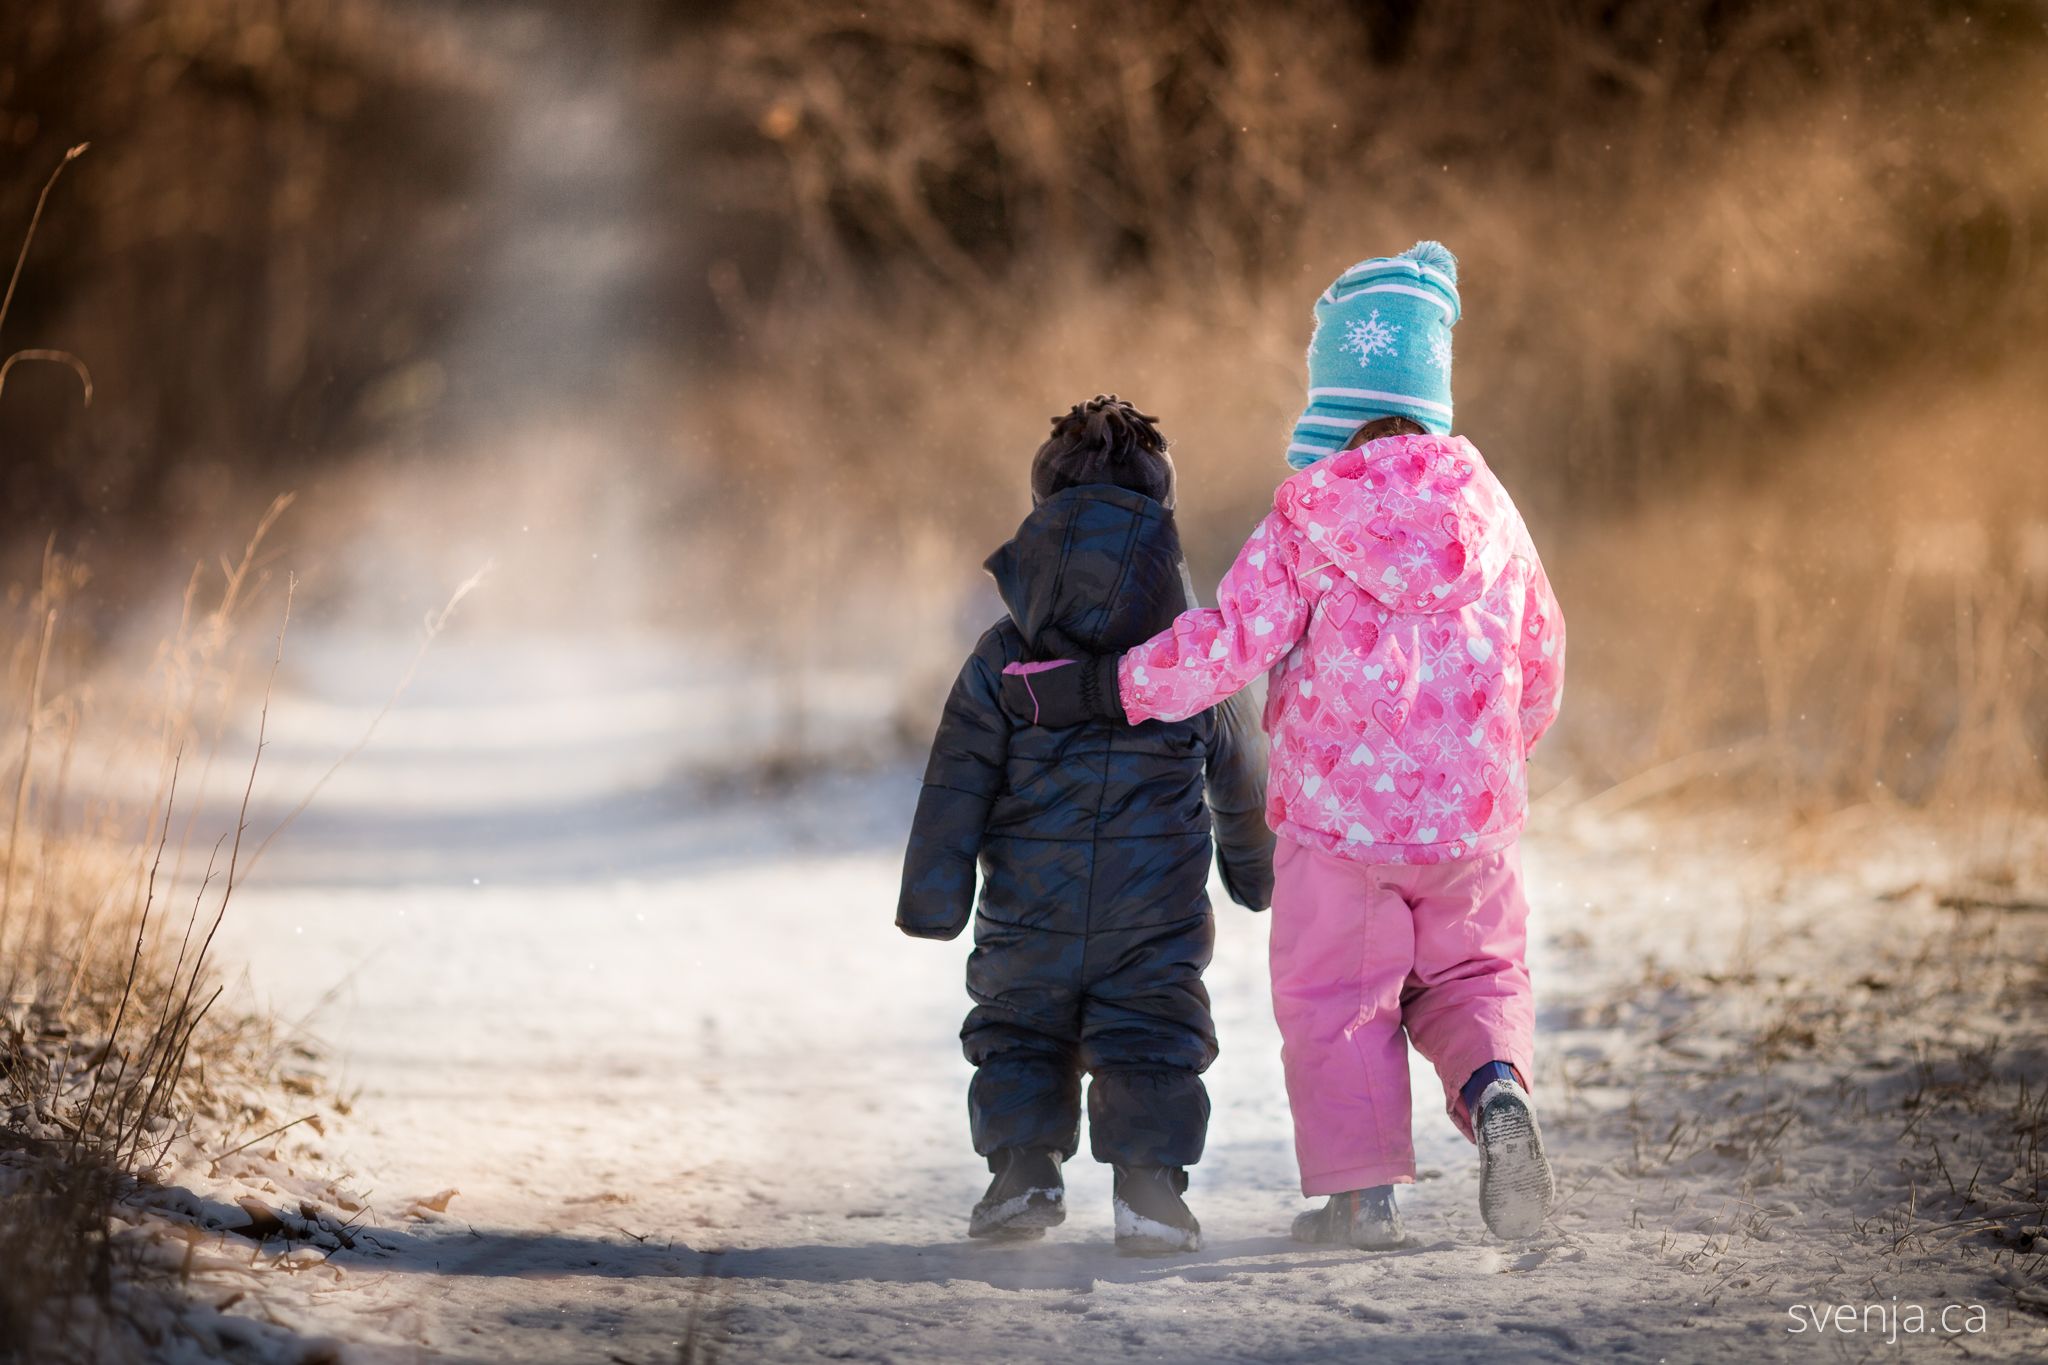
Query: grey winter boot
1151, 1217
1366, 1219
1027, 1195
1516, 1189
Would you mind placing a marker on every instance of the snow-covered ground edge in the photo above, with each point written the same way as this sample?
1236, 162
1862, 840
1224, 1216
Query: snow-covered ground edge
173, 1271
719, 1105
1812, 1060
696, 1099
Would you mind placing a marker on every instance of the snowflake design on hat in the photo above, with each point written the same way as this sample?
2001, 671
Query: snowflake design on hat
1371, 337
1440, 353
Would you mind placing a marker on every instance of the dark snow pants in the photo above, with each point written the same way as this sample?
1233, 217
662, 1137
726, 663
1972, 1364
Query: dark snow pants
1126, 1006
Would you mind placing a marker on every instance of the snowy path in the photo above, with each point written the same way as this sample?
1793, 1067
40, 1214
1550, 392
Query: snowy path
702, 1102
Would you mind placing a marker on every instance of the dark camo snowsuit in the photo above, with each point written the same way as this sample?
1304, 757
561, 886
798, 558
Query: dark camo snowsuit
1094, 845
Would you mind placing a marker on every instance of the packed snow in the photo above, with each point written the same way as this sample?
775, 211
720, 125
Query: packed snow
645, 1074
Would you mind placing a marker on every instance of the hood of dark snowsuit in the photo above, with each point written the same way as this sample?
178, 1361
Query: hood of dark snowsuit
1096, 564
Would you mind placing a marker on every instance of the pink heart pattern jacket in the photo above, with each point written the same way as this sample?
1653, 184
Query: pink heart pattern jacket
1414, 652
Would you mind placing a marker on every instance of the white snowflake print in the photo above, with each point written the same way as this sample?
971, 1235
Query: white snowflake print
1340, 665
1440, 353
1371, 337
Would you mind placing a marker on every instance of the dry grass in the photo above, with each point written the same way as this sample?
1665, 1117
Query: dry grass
1864, 629
110, 1050
1860, 622
1750, 330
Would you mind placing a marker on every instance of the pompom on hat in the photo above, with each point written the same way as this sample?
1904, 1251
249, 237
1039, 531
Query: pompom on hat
1382, 348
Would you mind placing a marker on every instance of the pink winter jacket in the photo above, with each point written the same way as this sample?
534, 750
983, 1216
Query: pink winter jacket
1415, 649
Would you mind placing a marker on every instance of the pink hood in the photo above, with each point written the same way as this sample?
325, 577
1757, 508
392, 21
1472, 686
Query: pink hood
1417, 523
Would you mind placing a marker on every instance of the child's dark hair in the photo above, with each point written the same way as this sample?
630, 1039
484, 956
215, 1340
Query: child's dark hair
1104, 440
1384, 426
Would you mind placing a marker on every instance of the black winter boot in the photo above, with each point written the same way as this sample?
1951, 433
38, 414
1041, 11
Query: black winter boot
1366, 1219
1151, 1218
1027, 1195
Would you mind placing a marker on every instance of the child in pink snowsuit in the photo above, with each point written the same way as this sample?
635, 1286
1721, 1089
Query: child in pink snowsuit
1414, 654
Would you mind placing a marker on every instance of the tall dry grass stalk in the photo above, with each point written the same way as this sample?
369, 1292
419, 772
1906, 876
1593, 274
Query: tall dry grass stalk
112, 1048
103, 1032
41, 353
99, 1031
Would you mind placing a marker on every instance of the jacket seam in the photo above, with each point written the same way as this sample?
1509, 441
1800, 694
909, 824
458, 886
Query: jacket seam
1059, 577
1123, 573
957, 791
1091, 839
1183, 922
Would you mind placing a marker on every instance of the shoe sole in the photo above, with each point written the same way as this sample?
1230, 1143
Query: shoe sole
1516, 1189
1026, 1216
1137, 1235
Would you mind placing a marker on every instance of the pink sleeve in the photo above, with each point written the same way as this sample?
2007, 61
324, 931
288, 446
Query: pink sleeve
1208, 654
1542, 655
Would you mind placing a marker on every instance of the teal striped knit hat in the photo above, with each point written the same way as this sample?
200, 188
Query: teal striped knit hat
1382, 348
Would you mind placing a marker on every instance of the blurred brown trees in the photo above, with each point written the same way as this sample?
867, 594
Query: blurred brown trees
1749, 286
1201, 134
1752, 294
260, 237
1696, 212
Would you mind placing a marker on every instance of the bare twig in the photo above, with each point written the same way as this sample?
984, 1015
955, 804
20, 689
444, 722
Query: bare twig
21, 257
282, 1127
171, 1064
20, 260
65, 358
134, 961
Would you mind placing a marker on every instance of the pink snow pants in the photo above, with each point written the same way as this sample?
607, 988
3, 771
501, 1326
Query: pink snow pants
1361, 953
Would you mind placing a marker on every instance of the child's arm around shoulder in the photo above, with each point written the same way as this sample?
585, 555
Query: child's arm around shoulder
1237, 804
1208, 654
961, 783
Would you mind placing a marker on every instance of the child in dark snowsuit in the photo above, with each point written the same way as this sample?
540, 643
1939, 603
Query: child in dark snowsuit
1094, 846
